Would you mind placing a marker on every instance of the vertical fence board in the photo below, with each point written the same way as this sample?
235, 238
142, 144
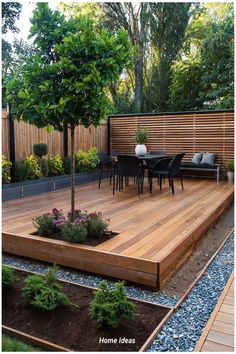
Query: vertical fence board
26, 135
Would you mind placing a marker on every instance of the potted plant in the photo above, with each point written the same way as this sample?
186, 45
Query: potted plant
141, 138
230, 170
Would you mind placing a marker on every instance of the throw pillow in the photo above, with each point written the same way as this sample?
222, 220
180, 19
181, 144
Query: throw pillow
208, 158
197, 157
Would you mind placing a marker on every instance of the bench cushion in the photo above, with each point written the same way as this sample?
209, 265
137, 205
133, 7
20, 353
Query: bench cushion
198, 165
208, 158
197, 157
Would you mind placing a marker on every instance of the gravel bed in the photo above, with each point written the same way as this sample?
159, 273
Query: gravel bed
182, 331
78, 277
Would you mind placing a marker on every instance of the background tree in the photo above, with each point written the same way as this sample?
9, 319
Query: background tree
168, 23
10, 14
203, 73
72, 88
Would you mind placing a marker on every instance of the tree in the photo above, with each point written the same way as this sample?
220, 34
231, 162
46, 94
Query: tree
203, 73
168, 25
134, 18
217, 54
10, 14
70, 89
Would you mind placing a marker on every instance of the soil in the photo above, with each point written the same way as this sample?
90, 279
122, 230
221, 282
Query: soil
204, 250
90, 241
71, 326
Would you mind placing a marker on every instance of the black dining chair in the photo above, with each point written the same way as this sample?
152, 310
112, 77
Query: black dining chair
128, 166
105, 165
160, 169
175, 170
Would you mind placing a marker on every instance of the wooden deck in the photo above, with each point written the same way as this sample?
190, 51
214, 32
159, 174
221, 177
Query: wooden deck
156, 232
218, 335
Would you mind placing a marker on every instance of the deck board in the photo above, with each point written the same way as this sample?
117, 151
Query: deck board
152, 228
218, 335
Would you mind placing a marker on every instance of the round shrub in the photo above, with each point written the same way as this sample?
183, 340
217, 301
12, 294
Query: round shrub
44, 293
111, 305
34, 168
96, 227
21, 170
230, 165
55, 165
76, 233
6, 165
44, 224
40, 149
7, 276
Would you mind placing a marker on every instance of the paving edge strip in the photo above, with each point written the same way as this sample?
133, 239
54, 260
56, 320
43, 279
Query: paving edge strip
184, 327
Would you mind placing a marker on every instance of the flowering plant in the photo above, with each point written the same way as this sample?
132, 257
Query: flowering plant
85, 223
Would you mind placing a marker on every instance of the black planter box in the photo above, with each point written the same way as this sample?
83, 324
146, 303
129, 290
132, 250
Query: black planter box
42, 185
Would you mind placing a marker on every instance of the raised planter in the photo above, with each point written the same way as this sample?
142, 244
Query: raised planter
43, 185
71, 329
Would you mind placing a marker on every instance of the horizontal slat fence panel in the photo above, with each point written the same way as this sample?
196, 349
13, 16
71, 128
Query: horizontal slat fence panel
187, 132
26, 135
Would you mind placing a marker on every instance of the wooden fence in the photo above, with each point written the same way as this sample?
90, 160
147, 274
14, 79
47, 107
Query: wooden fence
187, 132
26, 135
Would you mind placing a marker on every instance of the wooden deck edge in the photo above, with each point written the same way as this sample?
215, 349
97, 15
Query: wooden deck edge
138, 271
205, 332
153, 335
196, 234
41, 343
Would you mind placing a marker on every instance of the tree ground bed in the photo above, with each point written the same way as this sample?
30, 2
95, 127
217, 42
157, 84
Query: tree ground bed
71, 327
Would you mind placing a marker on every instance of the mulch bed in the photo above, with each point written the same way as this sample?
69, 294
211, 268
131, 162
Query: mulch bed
71, 327
90, 241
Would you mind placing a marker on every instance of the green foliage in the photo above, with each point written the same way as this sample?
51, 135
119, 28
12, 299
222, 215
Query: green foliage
44, 293
10, 14
74, 232
10, 344
111, 305
96, 227
217, 55
44, 225
44, 167
203, 74
55, 165
141, 135
67, 165
230, 165
21, 170
186, 86
6, 170
86, 160
33, 165
40, 149
8, 277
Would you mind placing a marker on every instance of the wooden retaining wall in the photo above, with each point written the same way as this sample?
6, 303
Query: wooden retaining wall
188, 132
27, 134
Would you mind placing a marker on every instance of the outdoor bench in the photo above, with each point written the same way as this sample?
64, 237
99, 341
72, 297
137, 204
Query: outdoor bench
190, 166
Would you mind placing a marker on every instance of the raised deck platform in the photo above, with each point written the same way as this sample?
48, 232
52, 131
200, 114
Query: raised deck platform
156, 232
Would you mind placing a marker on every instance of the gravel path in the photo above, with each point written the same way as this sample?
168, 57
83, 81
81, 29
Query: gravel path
182, 331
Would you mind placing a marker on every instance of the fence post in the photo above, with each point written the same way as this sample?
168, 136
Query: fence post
12, 143
65, 139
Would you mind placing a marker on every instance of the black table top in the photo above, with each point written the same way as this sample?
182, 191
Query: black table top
147, 156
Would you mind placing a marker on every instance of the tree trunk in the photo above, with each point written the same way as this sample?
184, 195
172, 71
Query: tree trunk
72, 130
